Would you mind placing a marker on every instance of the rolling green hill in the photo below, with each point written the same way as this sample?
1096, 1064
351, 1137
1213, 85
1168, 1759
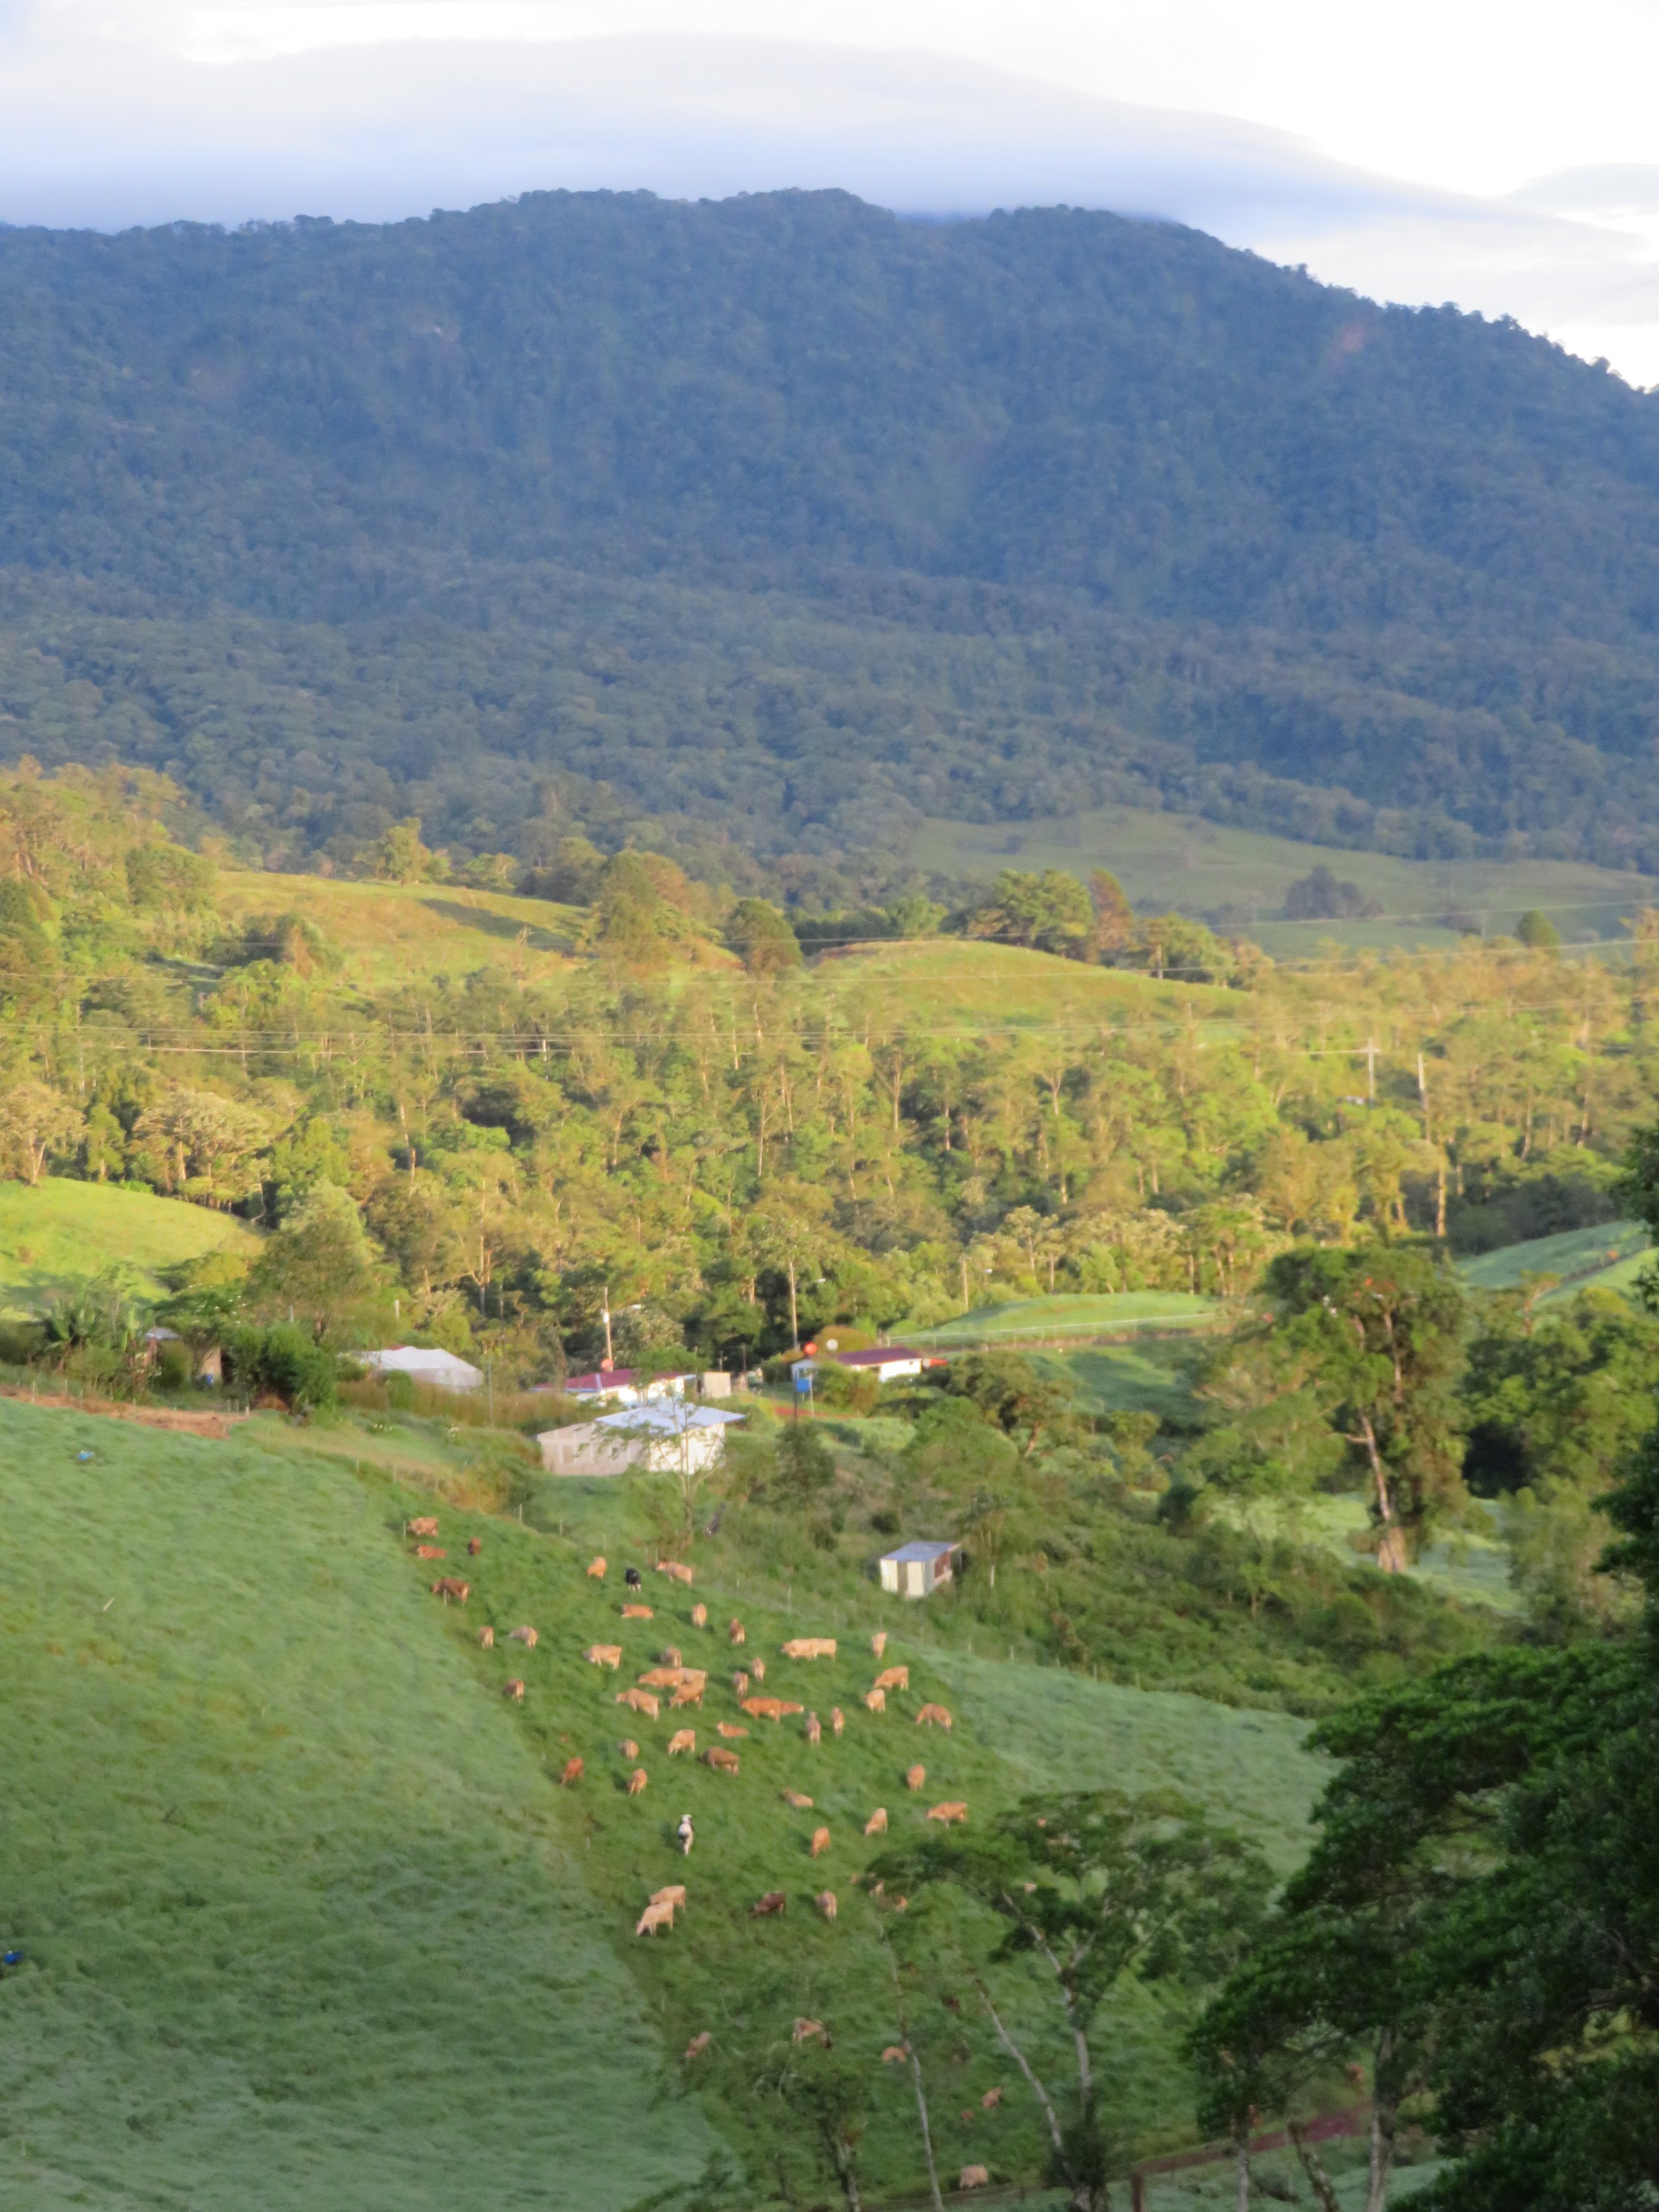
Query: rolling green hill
55, 1233
1608, 1257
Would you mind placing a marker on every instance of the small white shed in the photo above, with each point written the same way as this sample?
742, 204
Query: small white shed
916, 1570
444, 1371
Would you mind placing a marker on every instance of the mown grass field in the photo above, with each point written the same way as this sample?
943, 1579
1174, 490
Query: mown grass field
389, 933
1608, 1257
1072, 1313
950, 987
1165, 861
56, 1232
306, 1919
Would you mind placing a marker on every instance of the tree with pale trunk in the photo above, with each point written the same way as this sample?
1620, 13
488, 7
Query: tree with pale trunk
35, 1122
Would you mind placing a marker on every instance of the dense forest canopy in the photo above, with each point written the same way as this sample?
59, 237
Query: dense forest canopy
802, 522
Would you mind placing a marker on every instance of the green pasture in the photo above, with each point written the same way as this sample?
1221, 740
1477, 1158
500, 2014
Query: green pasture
55, 1233
299, 1926
1071, 1313
391, 933
1471, 1566
1609, 1257
951, 987
1165, 861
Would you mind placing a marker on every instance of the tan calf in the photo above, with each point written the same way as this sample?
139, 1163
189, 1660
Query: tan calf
825, 1901
794, 1797
474, 1546
952, 1809
639, 1701
628, 1748
427, 1525
820, 1843
729, 1728
699, 2044
689, 1694
758, 1668
654, 1916
675, 1571
637, 1613
723, 1762
700, 1615
636, 1782
875, 1700
430, 1552
527, 1637
603, 1654
934, 1717
765, 1907
837, 1719
805, 2030
513, 1689
673, 1892
809, 1647
596, 1571
740, 1684
878, 1642
991, 2100
487, 1637
573, 1773
736, 1632
893, 1678
895, 2055
814, 1729
973, 2177
877, 1823
681, 1739
915, 1777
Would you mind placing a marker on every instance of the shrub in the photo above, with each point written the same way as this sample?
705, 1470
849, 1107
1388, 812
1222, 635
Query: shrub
286, 1362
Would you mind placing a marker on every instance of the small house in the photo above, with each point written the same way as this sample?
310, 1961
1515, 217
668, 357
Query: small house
917, 1570
441, 1371
623, 1386
887, 1362
668, 1437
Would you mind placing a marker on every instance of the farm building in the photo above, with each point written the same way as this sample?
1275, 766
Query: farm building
443, 1370
666, 1437
887, 1362
624, 1386
915, 1569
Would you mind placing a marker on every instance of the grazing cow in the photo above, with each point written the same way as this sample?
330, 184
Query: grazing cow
513, 1688
446, 1587
764, 1907
893, 1678
952, 1809
934, 1717
633, 1578
805, 2030
820, 1843
640, 1701
763, 1709
895, 2055
991, 2100
875, 1700
681, 1739
699, 2044
825, 1901
814, 1729
670, 1654
427, 1525
723, 1762
596, 1571
527, 1637
793, 1797
474, 1546
740, 1684
637, 1613
689, 1694
973, 2177
700, 1615
673, 1892
730, 1729
654, 1916
686, 1835
636, 1782
758, 1668
809, 1647
661, 1678
628, 1748
573, 1772
487, 1637
603, 1654
915, 1777
878, 1642
675, 1571
837, 1719
877, 1823
430, 1552
736, 1632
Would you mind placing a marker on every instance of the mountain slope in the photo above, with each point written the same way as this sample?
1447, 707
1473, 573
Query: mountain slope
702, 501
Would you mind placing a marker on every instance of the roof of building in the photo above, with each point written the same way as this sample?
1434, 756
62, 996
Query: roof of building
619, 1378
921, 1550
414, 1359
672, 1417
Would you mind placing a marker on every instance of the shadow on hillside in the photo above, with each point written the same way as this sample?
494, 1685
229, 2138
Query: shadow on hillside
499, 925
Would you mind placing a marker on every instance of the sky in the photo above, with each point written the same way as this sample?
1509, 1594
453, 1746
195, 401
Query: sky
1502, 156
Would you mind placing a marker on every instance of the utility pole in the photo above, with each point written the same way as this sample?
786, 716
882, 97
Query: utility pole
1370, 1072
604, 1316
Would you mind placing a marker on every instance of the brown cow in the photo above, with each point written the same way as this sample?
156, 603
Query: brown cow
670, 1654
427, 1525
825, 1901
736, 1632
654, 1916
628, 1748
758, 1668
527, 1637
487, 1637
814, 1729
915, 1777
893, 1678
934, 1717
723, 1762
596, 1571
603, 1654
877, 1823
573, 1772
430, 1552
895, 2055
820, 1843
837, 1719
952, 1809
809, 1647
730, 1729
474, 1546
991, 2100
740, 1684
662, 1678
973, 2177
689, 1694
636, 1782
673, 1892
878, 1642
805, 2030
681, 1739
699, 2044
640, 1701
637, 1613
513, 1688
793, 1797
764, 1907
875, 1700
700, 1615
675, 1571
447, 1587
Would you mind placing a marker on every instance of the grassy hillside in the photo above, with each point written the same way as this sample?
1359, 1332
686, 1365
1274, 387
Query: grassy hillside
55, 1233
1608, 1257
954, 988
1080, 1314
1201, 868
390, 934
300, 1927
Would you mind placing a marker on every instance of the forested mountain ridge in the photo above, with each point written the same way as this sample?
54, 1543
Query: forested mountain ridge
783, 505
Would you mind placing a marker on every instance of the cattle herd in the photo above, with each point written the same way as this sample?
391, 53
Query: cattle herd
685, 1687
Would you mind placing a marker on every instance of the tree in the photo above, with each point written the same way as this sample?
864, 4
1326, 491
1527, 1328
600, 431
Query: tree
200, 1144
1114, 918
35, 1122
318, 1267
1097, 1887
1049, 911
806, 1466
761, 935
399, 857
1537, 929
